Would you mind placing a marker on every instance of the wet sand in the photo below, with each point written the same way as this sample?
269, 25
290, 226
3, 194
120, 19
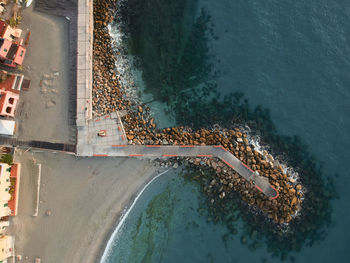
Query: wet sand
85, 197
43, 112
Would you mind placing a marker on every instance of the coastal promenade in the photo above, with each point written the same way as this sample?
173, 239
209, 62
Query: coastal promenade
115, 142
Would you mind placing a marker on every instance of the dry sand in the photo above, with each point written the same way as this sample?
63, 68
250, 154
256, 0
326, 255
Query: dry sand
43, 112
86, 198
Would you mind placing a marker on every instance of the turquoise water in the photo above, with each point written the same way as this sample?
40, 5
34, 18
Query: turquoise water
290, 57
169, 224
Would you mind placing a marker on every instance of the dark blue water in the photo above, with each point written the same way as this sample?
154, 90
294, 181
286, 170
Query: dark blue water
291, 57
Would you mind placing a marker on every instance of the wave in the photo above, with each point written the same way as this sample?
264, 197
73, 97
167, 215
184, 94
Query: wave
124, 69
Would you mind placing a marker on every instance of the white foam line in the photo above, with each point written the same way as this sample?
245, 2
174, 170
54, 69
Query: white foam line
106, 252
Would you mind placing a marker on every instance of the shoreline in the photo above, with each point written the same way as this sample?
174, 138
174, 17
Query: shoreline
110, 186
107, 246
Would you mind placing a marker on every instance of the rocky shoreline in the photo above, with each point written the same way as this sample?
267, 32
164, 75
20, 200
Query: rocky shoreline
109, 95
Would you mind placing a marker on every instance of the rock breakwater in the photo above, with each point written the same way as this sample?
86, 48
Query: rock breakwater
106, 92
109, 95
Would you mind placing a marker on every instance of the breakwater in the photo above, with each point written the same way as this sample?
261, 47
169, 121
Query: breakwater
108, 95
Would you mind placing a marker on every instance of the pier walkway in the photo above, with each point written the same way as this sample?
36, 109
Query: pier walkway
164, 151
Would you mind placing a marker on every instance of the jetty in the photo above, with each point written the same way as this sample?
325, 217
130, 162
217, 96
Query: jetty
115, 143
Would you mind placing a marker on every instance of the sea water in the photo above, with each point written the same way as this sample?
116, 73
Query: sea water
291, 57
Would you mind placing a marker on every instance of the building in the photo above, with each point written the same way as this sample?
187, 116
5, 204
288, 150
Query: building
8, 103
10, 86
7, 127
11, 81
5, 183
11, 53
15, 176
9, 186
9, 33
6, 248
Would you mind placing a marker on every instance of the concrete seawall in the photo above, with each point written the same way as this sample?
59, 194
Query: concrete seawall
84, 68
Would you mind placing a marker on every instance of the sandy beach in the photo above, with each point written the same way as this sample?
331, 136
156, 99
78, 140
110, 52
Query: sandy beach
43, 112
85, 197
81, 199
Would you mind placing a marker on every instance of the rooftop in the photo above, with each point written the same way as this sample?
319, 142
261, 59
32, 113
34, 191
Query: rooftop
12, 52
7, 127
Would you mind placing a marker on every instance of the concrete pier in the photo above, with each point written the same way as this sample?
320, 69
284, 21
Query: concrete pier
84, 68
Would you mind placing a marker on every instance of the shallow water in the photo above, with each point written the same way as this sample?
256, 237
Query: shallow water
291, 57
169, 217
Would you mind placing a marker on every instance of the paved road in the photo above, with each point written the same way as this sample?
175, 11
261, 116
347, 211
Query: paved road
220, 152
